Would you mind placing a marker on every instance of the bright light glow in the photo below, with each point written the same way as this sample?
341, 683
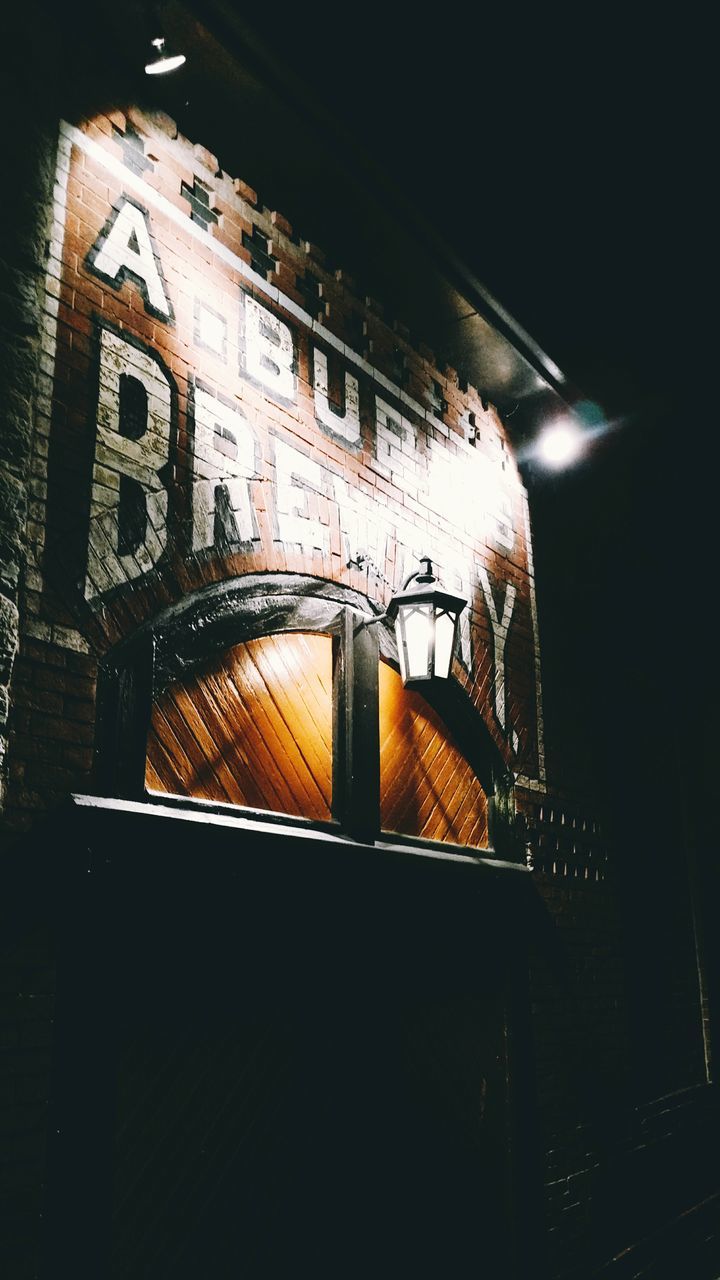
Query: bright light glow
560, 444
472, 496
418, 622
211, 329
164, 60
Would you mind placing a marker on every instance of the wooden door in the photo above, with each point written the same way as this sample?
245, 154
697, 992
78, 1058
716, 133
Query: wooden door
252, 727
427, 787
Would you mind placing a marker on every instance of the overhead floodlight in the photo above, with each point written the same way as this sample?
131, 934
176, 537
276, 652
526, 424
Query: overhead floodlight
560, 444
163, 59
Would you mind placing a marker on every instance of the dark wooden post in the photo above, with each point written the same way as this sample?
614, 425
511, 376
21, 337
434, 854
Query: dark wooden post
124, 707
356, 760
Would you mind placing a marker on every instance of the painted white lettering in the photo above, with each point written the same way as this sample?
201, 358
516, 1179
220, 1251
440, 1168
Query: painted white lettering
128, 249
129, 503
471, 495
210, 329
395, 437
224, 461
360, 525
269, 353
457, 577
501, 517
297, 479
346, 423
500, 628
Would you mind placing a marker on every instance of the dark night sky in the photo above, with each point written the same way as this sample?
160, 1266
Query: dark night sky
565, 156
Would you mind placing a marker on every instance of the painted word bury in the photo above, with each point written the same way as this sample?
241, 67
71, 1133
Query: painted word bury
219, 402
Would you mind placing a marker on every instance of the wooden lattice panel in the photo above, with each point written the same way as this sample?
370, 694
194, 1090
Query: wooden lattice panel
253, 727
427, 787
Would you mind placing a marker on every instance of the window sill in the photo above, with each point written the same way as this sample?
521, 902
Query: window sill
221, 818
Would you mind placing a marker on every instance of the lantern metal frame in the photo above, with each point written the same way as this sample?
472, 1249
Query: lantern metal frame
426, 591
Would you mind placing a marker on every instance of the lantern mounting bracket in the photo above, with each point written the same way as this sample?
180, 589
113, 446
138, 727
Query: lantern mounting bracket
369, 619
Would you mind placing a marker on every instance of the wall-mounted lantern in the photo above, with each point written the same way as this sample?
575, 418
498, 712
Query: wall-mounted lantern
426, 623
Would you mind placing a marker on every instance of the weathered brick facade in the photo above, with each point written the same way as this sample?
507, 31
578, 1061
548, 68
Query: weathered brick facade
344, 454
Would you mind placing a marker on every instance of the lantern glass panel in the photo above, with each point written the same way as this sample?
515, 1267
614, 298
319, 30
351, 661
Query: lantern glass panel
401, 648
416, 623
444, 637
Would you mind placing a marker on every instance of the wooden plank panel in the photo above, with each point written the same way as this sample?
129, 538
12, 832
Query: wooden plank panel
463, 793
413, 745
286, 680
452, 785
202, 756
295, 668
415, 766
275, 736
171, 760
275, 733
229, 760
436, 801
253, 727
248, 735
427, 787
209, 776
267, 725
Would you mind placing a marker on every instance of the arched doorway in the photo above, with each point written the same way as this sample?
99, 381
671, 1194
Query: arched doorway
272, 693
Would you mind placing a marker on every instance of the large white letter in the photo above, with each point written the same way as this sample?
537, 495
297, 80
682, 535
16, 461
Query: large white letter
457, 576
500, 627
128, 506
126, 249
347, 423
360, 526
293, 521
223, 463
269, 353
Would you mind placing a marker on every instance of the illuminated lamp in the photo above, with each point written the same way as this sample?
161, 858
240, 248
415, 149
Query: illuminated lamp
560, 444
163, 59
426, 623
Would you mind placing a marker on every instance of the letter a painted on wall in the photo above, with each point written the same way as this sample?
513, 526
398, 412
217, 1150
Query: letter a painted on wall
125, 250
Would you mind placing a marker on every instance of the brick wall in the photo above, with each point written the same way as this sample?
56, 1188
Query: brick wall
627, 1119
27, 976
23, 228
340, 449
